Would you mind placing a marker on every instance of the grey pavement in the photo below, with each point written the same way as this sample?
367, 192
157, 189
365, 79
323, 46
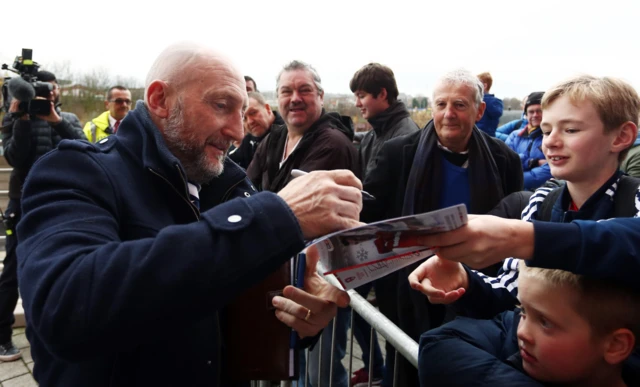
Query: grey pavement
18, 373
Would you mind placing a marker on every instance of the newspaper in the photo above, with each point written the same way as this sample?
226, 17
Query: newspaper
366, 253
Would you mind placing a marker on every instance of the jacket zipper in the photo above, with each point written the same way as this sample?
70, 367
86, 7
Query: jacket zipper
195, 211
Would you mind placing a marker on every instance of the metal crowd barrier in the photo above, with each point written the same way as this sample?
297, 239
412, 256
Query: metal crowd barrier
403, 344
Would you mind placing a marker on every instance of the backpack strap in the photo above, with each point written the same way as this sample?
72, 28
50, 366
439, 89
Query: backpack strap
545, 207
624, 203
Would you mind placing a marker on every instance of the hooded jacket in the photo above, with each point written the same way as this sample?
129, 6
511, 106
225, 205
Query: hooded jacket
393, 122
326, 145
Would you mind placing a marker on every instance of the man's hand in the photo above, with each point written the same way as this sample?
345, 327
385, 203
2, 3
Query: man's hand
483, 241
52, 117
310, 310
442, 281
324, 201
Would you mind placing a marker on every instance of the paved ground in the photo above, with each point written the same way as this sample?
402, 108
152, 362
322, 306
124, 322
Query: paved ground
18, 373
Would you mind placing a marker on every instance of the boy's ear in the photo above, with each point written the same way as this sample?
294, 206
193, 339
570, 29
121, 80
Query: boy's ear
619, 346
625, 137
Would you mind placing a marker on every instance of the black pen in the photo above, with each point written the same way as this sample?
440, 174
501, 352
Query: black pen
297, 173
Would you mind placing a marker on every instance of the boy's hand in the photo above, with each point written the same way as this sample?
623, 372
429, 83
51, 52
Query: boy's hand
442, 281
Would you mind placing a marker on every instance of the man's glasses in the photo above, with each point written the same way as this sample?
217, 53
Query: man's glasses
120, 101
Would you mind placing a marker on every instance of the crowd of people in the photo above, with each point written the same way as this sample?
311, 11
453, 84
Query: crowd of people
160, 216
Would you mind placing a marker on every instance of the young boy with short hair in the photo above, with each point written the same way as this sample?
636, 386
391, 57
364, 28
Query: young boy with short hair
588, 125
574, 329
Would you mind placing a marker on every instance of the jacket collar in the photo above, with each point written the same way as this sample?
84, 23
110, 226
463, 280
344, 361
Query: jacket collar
142, 139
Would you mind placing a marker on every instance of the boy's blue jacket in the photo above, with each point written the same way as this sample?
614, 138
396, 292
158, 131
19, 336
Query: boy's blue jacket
122, 278
608, 250
482, 353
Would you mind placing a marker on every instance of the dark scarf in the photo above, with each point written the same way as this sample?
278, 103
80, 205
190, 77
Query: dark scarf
388, 118
425, 178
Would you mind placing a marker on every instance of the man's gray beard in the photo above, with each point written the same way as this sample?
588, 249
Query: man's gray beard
186, 148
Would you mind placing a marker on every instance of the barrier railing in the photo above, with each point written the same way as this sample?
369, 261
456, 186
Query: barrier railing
403, 344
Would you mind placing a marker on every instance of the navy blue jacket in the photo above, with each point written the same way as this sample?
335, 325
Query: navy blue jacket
492, 113
122, 278
529, 147
597, 253
480, 353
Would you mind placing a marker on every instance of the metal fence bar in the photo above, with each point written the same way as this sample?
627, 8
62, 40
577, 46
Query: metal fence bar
351, 346
372, 336
306, 371
333, 345
394, 335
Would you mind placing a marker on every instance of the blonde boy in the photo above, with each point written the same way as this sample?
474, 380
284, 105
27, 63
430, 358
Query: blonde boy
589, 124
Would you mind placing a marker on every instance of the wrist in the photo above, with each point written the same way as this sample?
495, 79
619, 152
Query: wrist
521, 236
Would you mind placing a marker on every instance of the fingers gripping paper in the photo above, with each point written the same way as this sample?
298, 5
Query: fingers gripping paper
363, 254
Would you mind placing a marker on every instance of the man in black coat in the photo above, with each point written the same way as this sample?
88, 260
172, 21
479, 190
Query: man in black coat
259, 119
25, 138
449, 162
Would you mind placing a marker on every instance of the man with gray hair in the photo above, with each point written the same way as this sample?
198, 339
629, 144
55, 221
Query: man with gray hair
132, 248
449, 162
311, 140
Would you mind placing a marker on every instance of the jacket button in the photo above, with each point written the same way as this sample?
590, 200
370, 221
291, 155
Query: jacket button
234, 218
104, 140
247, 194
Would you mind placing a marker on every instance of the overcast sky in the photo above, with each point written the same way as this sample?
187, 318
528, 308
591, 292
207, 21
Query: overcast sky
526, 45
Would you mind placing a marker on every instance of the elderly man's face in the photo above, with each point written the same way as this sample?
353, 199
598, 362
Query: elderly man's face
205, 118
299, 100
454, 114
258, 118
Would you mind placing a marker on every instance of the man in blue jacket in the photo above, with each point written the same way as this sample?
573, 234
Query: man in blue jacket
527, 143
131, 247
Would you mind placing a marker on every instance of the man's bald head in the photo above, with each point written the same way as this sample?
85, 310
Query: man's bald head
196, 98
179, 63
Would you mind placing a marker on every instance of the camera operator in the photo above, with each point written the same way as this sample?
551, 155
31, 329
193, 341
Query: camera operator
25, 138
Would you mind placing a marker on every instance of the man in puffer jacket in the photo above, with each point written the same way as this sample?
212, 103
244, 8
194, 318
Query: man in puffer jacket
527, 144
25, 138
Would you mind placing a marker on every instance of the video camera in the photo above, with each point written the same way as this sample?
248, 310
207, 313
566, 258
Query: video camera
26, 87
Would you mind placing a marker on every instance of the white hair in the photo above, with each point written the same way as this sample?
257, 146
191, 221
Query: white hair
463, 77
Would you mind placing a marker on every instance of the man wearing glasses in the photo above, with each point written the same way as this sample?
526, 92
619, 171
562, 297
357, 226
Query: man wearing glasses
118, 104
25, 138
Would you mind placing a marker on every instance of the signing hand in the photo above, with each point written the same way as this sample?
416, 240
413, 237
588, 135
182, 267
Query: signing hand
324, 201
442, 281
319, 301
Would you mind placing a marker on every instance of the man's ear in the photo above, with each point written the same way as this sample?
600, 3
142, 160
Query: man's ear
383, 94
625, 137
481, 108
157, 94
267, 107
106, 105
619, 346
